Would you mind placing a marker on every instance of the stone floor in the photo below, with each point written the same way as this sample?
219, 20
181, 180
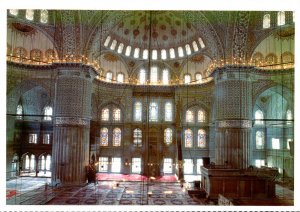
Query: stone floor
35, 191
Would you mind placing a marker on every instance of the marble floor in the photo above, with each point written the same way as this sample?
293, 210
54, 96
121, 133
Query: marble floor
36, 191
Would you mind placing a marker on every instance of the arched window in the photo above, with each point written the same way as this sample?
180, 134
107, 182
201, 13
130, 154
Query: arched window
117, 137
153, 111
44, 16
138, 111
48, 162
172, 53
281, 18
117, 114
128, 51
107, 41
120, 48
142, 76
195, 46
48, 113
180, 51
113, 45
187, 78
27, 162
105, 114
201, 43
42, 162
168, 111
120, 78
165, 77
260, 140
189, 116
168, 136
201, 138
188, 138
201, 116
259, 116
109, 76
32, 162
104, 137
19, 112
188, 49
154, 54
153, 75
136, 53
198, 78
145, 54
29, 15
266, 21
163, 54
14, 12
137, 137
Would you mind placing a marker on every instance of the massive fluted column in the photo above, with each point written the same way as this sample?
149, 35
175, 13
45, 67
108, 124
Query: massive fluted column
72, 114
233, 116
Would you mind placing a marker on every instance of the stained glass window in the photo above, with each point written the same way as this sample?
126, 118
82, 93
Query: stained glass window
201, 138
47, 113
266, 21
168, 136
281, 18
168, 166
258, 117
117, 114
137, 137
105, 114
165, 77
104, 137
260, 140
145, 54
136, 165
198, 77
107, 41
103, 164
163, 54
44, 16
142, 76
189, 116
14, 12
180, 51
187, 78
138, 111
29, 14
201, 43
128, 51
32, 138
46, 138
120, 48
19, 111
113, 45
154, 54
117, 137
153, 75
188, 138
195, 46
136, 53
153, 111
172, 53
109, 76
201, 116
168, 111
120, 78
188, 49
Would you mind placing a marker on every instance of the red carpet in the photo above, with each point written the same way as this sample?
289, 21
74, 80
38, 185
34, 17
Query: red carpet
10, 193
134, 177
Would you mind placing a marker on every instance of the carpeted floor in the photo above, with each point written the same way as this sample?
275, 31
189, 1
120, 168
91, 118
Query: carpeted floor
134, 177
